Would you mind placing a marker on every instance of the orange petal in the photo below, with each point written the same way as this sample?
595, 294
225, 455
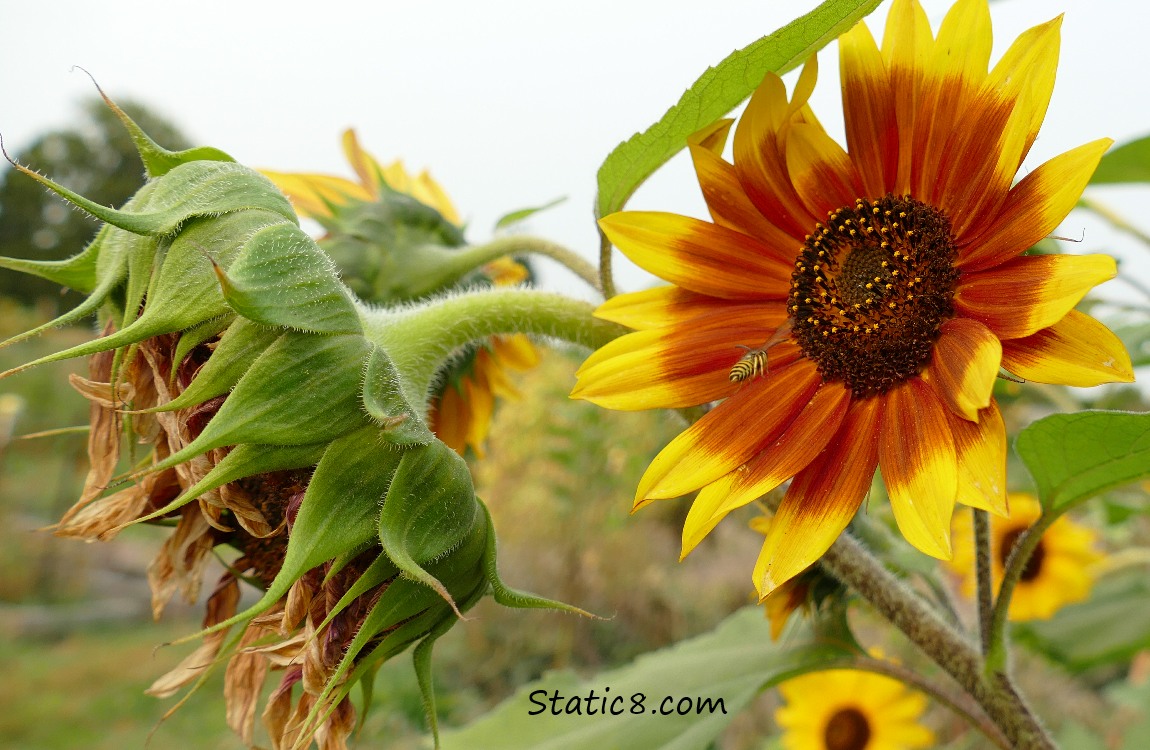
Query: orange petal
1077, 350
1030, 292
794, 449
730, 434
1009, 111
662, 306
1034, 208
964, 365
760, 160
981, 449
821, 500
868, 110
698, 255
954, 74
678, 366
919, 465
820, 170
730, 206
906, 47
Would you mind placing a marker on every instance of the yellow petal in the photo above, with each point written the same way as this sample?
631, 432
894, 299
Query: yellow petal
1031, 292
661, 306
919, 465
1077, 351
964, 365
1034, 208
713, 137
820, 170
698, 255
981, 450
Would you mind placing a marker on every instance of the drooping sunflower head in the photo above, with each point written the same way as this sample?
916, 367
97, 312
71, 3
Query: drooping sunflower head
278, 432
1060, 572
849, 710
852, 307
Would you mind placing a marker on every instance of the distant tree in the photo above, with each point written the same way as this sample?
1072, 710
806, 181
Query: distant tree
94, 157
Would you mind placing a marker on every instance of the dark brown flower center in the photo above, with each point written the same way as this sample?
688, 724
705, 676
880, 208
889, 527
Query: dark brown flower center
871, 288
848, 729
1033, 565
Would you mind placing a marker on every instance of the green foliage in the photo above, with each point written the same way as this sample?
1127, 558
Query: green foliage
717, 92
1127, 163
96, 157
1109, 628
732, 664
1073, 457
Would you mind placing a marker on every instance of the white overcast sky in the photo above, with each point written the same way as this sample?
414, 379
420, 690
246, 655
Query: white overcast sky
510, 103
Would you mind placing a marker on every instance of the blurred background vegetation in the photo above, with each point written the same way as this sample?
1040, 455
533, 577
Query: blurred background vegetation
78, 646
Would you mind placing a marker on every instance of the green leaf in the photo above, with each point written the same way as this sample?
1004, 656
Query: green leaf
1108, 628
1073, 457
517, 216
1135, 699
730, 664
717, 92
1129, 162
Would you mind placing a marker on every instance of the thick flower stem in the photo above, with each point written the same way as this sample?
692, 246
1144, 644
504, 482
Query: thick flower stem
522, 244
854, 566
985, 584
1012, 573
606, 282
420, 339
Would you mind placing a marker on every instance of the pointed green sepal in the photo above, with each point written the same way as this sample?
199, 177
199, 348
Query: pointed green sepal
243, 461
385, 403
303, 389
282, 278
198, 188
241, 344
193, 337
509, 597
338, 513
429, 509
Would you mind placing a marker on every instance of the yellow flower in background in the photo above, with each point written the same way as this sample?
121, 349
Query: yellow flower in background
853, 307
1060, 571
461, 414
849, 710
313, 195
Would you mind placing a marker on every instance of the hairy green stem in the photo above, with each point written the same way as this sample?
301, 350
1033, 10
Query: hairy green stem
985, 584
1012, 574
956, 700
606, 282
848, 561
421, 338
474, 256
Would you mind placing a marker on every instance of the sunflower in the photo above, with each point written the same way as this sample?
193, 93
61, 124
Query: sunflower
1058, 573
848, 710
461, 413
852, 307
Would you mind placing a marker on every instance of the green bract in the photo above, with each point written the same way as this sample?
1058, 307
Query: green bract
210, 252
